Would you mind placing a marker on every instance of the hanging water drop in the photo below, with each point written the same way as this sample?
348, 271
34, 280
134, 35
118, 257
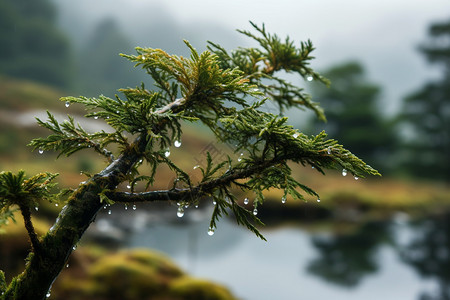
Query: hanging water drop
356, 177
318, 199
128, 186
67, 104
109, 212
41, 151
95, 117
56, 204
329, 151
344, 172
177, 144
210, 231
126, 207
196, 167
180, 211
36, 208
167, 153
255, 211
309, 78
295, 135
283, 199
214, 202
246, 201
67, 265
47, 295
74, 247
134, 207
196, 205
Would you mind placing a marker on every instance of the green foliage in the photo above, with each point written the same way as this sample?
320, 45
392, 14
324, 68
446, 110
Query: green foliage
3, 285
261, 66
225, 93
69, 138
352, 114
17, 190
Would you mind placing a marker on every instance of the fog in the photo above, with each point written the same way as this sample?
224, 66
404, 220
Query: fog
383, 35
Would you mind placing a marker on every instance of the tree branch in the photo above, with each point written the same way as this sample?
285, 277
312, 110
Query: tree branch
201, 190
35, 244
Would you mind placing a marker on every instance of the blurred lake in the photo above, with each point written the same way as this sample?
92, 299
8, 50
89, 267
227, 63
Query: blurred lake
394, 259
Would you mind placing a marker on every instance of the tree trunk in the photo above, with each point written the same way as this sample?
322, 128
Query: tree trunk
43, 267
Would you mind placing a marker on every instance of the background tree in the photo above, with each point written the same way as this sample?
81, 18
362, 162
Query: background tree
100, 68
31, 45
353, 115
426, 114
213, 88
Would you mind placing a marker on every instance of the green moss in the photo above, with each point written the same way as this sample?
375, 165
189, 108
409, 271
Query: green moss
187, 288
134, 275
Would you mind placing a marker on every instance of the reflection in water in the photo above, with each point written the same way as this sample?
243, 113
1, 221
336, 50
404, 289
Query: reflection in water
379, 260
346, 259
429, 253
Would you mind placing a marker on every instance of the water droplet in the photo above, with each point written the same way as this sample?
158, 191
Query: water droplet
56, 204
283, 199
67, 265
180, 212
177, 144
74, 247
239, 159
128, 186
109, 212
134, 207
344, 172
95, 117
210, 231
329, 151
196, 205
140, 161
41, 151
196, 167
318, 199
309, 78
214, 202
167, 153
246, 201
126, 207
36, 208
312, 167
255, 211
47, 295
67, 104
117, 112
295, 135
356, 177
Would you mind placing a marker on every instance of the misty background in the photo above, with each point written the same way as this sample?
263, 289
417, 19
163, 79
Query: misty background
383, 35
364, 240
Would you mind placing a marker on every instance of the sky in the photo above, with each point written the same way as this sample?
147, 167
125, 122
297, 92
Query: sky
383, 35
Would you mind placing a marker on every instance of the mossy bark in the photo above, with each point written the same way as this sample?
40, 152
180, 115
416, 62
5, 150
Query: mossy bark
43, 267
